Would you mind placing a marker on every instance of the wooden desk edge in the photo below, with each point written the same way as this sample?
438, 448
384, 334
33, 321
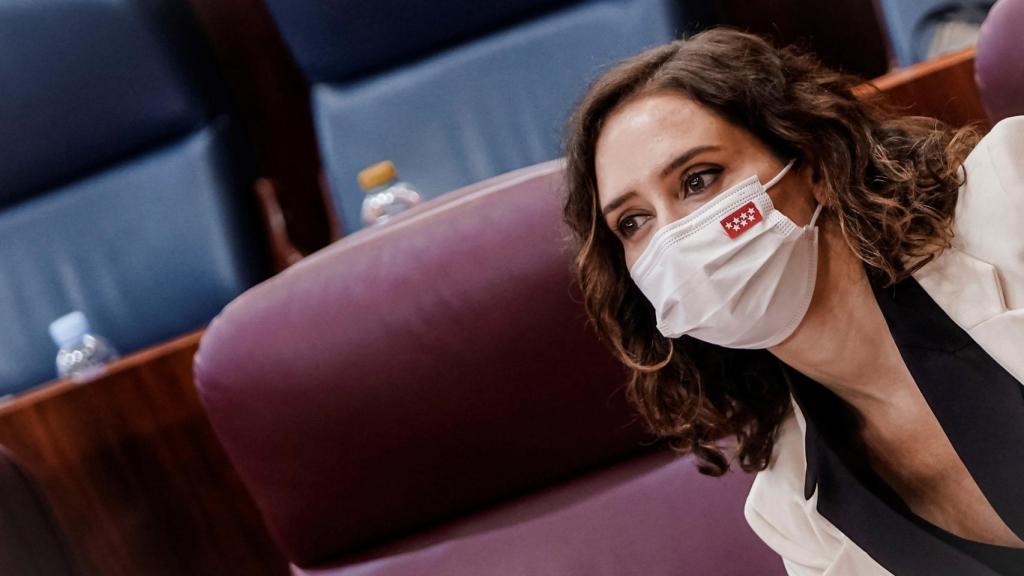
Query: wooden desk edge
909, 74
54, 388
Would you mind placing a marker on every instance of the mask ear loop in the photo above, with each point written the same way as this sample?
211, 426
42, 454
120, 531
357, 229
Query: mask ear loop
781, 173
814, 218
779, 176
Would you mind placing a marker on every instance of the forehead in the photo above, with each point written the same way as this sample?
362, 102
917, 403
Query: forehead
644, 133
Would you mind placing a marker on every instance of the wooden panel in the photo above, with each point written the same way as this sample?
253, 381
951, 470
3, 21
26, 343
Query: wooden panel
134, 473
943, 87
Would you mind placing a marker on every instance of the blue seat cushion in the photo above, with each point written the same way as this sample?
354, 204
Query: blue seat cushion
149, 250
480, 109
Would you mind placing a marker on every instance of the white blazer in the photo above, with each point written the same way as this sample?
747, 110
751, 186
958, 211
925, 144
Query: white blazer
979, 283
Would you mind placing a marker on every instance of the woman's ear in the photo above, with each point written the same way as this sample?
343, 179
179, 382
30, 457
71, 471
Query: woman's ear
815, 183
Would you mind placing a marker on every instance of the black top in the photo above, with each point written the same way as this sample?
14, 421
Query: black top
979, 405
1004, 560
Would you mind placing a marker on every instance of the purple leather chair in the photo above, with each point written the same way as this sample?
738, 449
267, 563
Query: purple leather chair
31, 544
428, 398
998, 67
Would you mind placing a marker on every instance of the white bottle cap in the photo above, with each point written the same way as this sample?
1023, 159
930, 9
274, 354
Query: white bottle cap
68, 328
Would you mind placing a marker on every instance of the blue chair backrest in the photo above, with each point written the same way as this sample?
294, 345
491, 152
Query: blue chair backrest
494, 97
119, 188
911, 24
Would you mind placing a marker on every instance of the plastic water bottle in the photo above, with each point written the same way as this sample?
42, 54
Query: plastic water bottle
82, 355
386, 195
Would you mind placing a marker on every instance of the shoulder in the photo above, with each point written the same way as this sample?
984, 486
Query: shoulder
982, 275
979, 280
1001, 152
994, 187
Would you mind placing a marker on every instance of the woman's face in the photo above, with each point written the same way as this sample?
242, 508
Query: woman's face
661, 156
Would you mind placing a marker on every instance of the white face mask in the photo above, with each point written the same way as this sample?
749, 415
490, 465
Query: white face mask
736, 272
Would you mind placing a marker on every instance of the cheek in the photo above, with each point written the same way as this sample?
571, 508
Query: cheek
796, 201
633, 250
631, 257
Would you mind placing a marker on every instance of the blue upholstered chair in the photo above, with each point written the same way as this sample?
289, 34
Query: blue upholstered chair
454, 92
912, 23
121, 194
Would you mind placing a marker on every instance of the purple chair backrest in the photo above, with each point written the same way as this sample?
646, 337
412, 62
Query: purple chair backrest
998, 67
416, 372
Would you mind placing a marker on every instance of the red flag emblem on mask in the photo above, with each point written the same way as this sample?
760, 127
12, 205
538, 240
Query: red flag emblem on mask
741, 220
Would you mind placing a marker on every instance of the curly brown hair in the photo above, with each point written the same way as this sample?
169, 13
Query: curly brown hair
890, 181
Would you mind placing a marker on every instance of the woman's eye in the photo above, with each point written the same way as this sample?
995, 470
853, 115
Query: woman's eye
628, 225
696, 182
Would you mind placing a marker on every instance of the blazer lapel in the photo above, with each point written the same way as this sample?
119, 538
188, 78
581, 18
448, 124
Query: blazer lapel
861, 509
979, 403
985, 429
968, 290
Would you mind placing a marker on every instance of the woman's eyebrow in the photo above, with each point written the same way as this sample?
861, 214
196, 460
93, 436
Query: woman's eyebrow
671, 166
686, 157
618, 201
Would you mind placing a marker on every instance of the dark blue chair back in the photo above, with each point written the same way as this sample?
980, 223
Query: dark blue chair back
911, 23
455, 92
121, 191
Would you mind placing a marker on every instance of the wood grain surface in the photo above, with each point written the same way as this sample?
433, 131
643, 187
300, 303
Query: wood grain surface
133, 471
943, 88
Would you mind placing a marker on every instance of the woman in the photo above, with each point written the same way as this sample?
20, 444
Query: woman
839, 287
